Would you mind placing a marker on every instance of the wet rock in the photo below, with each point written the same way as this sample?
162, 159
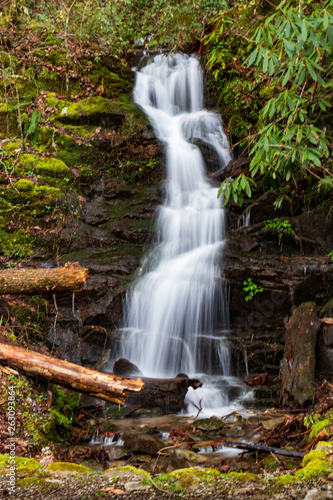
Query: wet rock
116, 452
142, 443
124, 368
189, 455
298, 364
272, 423
167, 394
96, 212
209, 424
168, 464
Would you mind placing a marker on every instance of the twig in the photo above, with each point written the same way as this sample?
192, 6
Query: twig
199, 408
261, 447
9, 177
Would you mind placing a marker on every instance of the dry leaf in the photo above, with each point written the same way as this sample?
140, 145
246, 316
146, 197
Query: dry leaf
114, 490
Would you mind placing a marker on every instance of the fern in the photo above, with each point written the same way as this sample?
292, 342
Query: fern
31, 127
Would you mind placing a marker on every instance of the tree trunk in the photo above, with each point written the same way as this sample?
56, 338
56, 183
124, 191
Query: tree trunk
297, 369
70, 278
101, 385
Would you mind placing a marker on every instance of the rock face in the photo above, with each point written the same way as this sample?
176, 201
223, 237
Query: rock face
298, 272
299, 361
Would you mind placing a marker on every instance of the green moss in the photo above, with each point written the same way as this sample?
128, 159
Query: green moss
52, 40
23, 465
3, 108
325, 445
57, 57
27, 481
112, 84
130, 468
68, 151
86, 174
87, 110
285, 479
48, 166
16, 244
5, 205
185, 477
269, 463
52, 100
34, 315
11, 146
67, 468
24, 185
314, 455
243, 476
313, 469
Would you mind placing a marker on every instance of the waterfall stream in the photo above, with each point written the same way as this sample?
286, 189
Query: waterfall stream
176, 314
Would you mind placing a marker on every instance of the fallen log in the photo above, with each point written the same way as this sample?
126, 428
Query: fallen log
261, 447
29, 281
101, 385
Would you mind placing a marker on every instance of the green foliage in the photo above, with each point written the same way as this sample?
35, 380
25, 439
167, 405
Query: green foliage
251, 289
331, 256
30, 128
283, 227
317, 423
272, 68
295, 49
58, 425
236, 188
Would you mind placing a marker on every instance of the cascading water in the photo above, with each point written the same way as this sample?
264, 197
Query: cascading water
176, 315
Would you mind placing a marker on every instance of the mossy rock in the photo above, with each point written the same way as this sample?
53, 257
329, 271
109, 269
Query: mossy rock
243, 477
67, 468
203, 474
24, 185
53, 101
127, 470
68, 151
92, 111
37, 481
16, 244
211, 424
112, 83
315, 468
314, 455
39, 166
84, 131
185, 479
11, 146
23, 465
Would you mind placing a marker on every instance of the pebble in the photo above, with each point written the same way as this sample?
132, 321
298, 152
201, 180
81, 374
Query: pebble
316, 494
136, 486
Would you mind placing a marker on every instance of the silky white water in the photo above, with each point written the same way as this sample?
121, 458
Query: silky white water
176, 314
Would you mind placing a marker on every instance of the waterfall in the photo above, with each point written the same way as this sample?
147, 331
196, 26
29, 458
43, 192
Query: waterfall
176, 314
